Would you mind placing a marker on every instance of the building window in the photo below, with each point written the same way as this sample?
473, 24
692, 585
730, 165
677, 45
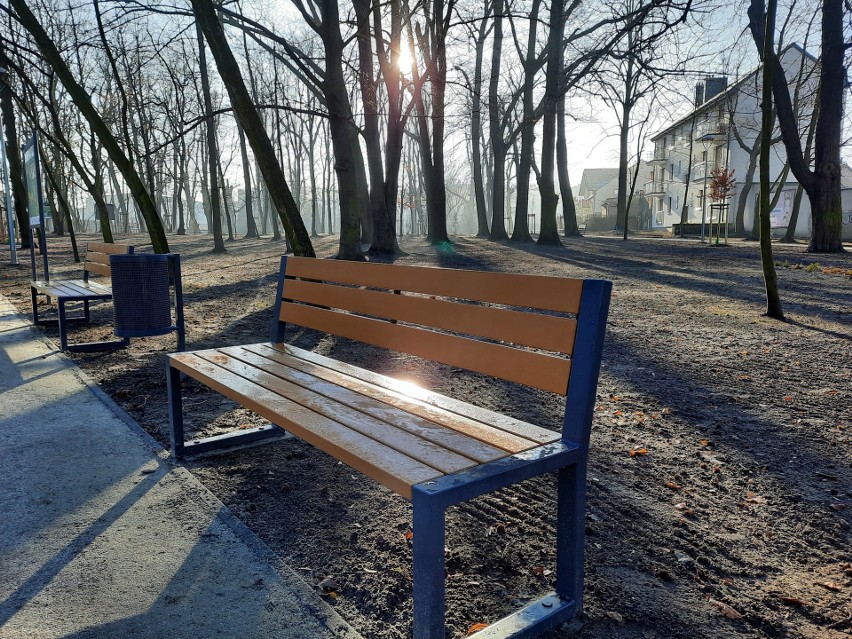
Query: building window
670, 204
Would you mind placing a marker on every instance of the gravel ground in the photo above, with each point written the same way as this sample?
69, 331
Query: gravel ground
731, 517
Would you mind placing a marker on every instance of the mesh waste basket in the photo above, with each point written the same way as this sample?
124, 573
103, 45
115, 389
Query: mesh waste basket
142, 295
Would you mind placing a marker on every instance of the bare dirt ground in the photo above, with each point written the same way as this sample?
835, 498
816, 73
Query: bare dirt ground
720, 484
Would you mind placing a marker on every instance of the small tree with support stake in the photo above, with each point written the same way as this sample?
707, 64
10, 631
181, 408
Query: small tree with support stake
723, 186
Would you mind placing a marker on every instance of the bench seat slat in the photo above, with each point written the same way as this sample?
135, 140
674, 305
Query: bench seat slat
462, 416
423, 450
542, 292
71, 290
386, 465
341, 391
95, 287
547, 332
538, 370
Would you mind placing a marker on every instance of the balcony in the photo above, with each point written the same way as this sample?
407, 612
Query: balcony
698, 170
655, 187
713, 129
660, 156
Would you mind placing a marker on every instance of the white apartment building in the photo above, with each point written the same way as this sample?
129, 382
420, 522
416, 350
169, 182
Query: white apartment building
721, 132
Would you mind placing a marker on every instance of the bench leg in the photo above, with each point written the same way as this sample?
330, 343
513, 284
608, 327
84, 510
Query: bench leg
428, 567
175, 411
86, 310
34, 297
63, 336
570, 532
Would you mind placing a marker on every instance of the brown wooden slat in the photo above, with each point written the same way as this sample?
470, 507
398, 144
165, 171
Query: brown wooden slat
387, 466
466, 418
58, 288
72, 288
483, 415
472, 446
95, 287
103, 247
80, 289
547, 332
532, 369
535, 291
97, 258
100, 269
331, 405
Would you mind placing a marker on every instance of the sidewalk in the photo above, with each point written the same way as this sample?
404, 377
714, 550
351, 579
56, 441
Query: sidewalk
100, 537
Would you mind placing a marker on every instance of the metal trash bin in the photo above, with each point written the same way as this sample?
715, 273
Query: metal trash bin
142, 296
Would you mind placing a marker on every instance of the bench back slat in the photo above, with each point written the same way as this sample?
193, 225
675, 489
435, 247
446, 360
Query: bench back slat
546, 293
547, 332
525, 367
455, 317
97, 257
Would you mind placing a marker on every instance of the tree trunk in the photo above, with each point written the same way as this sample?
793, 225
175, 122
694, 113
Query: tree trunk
624, 129
215, 216
773, 300
246, 113
16, 168
569, 212
498, 144
553, 113
251, 227
476, 133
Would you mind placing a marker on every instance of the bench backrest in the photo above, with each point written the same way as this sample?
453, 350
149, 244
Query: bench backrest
97, 257
543, 332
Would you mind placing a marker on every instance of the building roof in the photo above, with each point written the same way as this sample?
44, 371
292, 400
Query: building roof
594, 179
731, 90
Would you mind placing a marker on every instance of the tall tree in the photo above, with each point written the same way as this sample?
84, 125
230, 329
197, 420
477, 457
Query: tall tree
252, 125
822, 183
82, 100
773, 300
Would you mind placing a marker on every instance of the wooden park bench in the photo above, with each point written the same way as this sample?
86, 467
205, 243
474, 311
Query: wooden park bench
544, 332
81, 290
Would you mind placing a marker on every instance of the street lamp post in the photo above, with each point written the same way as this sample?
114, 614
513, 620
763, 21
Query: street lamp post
10, 218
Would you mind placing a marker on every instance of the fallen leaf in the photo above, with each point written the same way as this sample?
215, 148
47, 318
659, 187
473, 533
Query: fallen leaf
329, 585
409, 535
793, 601
617, 413
637, 451
673, 486
666, 411
476, 628
743, 378
538, 570
704, 442
788, 399
830, 585
617, 618
726, 610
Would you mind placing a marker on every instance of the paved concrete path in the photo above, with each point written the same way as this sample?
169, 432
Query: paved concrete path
101, 537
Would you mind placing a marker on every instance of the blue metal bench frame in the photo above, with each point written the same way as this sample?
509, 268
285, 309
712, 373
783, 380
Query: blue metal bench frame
569, 458
431, 499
